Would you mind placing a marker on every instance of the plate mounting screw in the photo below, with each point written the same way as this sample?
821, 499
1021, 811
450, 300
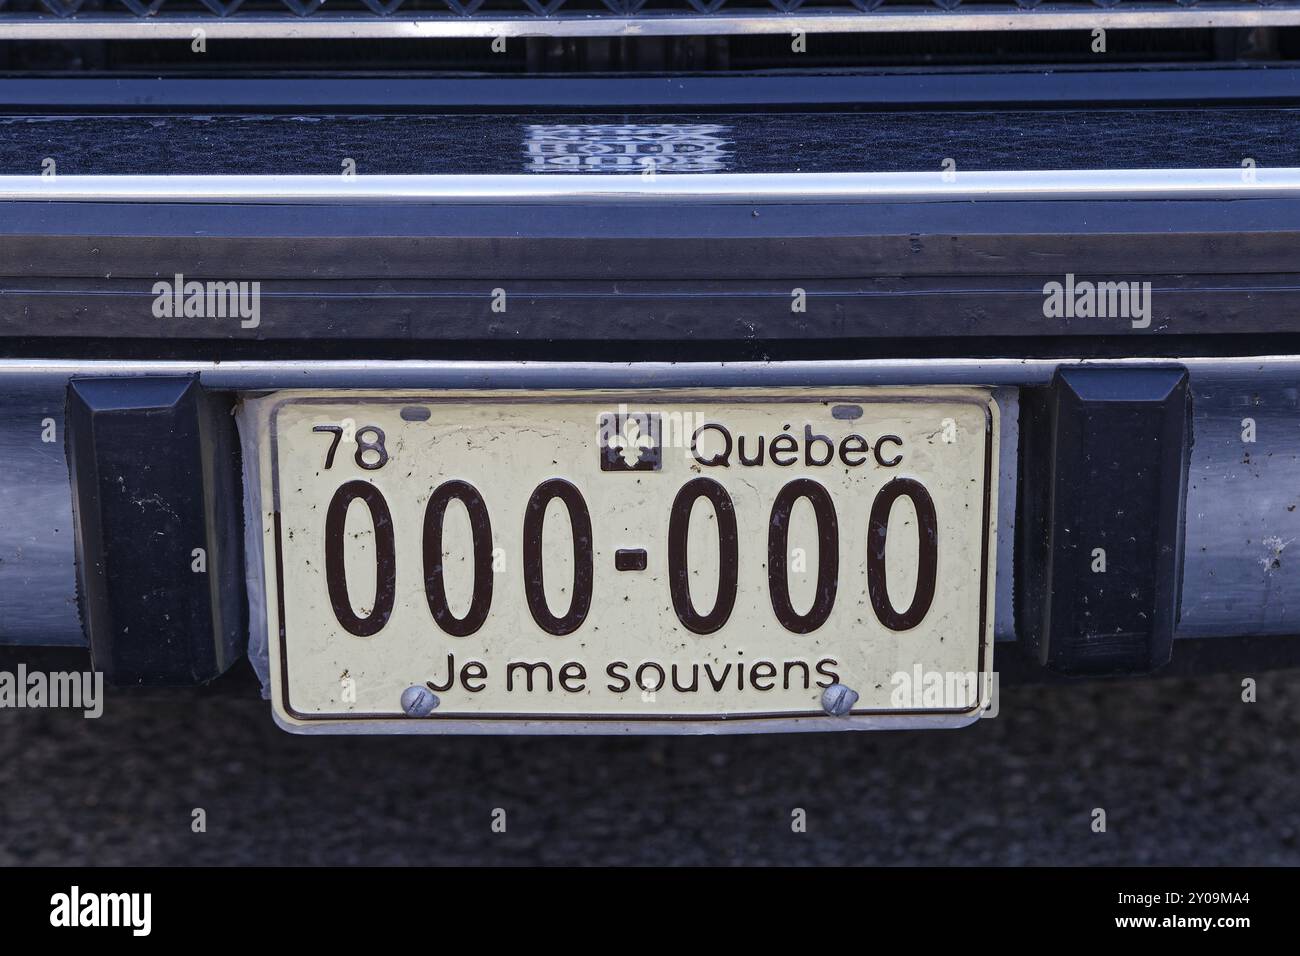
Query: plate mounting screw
838, 700
419, 701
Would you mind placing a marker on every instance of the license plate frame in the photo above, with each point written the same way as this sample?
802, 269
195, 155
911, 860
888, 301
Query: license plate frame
262, 413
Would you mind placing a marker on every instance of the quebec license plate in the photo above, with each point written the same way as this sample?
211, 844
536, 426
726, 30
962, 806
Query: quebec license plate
705, 561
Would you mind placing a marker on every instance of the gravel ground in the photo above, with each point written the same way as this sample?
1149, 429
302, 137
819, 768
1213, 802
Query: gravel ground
1186, 772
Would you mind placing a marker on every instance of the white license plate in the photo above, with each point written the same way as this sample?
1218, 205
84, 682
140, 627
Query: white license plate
627, 562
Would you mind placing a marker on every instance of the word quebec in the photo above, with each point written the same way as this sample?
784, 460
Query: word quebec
75, 908
179, 299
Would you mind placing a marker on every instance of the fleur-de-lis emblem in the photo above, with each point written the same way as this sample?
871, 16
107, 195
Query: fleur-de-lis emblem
631, 443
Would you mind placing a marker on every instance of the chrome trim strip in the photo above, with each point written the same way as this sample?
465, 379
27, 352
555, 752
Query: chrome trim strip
320, 26
256, 375
927, 186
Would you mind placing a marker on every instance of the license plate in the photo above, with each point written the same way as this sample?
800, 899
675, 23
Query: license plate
705, 561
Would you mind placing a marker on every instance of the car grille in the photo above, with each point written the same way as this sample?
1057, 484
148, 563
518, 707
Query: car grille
107, 19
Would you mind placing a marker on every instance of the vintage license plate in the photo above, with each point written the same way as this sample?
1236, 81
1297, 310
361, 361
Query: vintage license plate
623, 562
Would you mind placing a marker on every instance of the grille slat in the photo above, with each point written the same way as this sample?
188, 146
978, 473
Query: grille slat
140, 19
10, 9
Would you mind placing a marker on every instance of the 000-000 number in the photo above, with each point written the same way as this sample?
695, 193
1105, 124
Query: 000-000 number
678, 526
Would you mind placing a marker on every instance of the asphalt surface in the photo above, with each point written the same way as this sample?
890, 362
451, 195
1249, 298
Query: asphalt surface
1186, 772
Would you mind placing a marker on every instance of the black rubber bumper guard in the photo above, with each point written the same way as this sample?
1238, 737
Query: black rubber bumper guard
1103, 475
159, 519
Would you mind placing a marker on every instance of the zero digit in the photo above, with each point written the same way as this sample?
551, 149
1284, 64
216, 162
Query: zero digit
583, 558
728, 555
385, 558
828, 555
928, 554
434, 584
